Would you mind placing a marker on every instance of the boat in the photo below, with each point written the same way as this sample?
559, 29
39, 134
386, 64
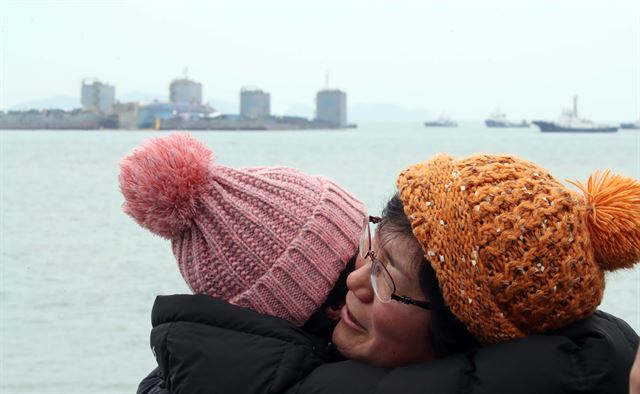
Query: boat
571, 122
631, 126
442, 121
499, 119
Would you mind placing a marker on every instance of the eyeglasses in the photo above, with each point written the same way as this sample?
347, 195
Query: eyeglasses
381, 281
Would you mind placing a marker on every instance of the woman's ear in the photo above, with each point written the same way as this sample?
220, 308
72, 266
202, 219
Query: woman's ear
334, 311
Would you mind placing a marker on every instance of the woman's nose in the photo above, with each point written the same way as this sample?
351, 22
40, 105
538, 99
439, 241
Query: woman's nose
359, 281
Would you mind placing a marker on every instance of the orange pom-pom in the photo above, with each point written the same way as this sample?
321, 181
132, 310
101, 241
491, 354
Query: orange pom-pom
613, 216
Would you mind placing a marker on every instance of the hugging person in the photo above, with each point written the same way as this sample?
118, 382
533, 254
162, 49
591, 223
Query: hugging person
482, 273
253, 244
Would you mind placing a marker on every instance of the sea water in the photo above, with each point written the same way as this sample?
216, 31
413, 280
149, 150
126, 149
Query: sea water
78, 277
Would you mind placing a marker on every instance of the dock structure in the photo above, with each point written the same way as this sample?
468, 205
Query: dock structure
184, 111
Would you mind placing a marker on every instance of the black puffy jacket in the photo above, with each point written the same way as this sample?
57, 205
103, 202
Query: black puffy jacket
204, 345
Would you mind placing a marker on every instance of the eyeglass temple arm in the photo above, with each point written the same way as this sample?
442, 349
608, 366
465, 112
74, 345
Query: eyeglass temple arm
375, 219
409, 301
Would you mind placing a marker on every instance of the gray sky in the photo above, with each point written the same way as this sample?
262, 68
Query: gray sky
462, 57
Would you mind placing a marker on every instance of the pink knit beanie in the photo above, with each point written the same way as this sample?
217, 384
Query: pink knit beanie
271, 239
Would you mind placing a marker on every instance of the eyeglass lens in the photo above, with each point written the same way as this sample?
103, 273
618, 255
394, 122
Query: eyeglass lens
381, 281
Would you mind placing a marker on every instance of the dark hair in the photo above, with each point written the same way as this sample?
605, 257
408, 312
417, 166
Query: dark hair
319, 323
447, 334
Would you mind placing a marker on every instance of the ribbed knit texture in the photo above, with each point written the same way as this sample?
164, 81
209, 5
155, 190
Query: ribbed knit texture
515, 252
271, 239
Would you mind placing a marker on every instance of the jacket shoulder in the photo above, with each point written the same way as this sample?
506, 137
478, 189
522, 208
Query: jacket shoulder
204, 345
153, 383
592, 356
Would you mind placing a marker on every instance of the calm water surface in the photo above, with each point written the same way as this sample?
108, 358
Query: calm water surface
78, 277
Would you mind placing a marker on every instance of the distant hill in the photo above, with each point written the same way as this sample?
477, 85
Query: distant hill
70, 102
385, 112
55, 102
372, 112
305, 111
144, 97
224, 107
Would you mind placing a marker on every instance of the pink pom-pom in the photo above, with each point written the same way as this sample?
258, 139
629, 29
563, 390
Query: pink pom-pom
161, 182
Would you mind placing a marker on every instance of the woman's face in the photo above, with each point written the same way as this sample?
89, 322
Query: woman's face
385, 334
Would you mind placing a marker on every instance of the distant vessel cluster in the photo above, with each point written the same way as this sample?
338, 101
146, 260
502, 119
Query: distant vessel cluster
185, 110
569, 121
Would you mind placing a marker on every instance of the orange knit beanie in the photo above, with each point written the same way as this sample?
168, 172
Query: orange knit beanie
516, 252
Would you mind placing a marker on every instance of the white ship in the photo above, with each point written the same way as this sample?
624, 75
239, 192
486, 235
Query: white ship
570, 121
442, 121
631, 126
499, 119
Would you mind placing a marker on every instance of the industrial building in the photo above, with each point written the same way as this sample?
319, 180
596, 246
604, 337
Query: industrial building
185, 110
254, 103
150, 115
96, 96
185, 91
331, 107
127, 114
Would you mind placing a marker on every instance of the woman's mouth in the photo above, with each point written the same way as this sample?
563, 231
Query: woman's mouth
349, 320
